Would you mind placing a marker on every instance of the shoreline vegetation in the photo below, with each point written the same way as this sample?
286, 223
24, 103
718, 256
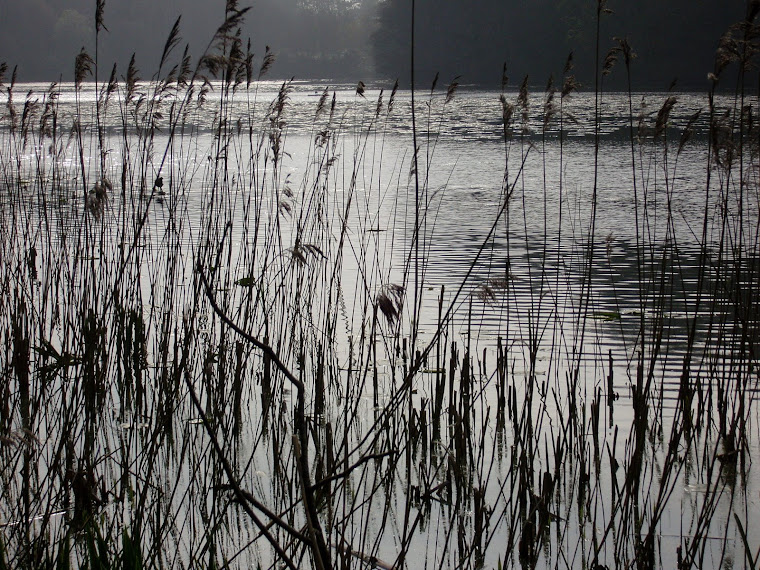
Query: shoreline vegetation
210, 363
369, 39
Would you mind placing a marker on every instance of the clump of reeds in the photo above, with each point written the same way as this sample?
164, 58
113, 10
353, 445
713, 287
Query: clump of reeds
221, 365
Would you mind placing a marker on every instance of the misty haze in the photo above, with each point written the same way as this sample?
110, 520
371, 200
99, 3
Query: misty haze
352, 40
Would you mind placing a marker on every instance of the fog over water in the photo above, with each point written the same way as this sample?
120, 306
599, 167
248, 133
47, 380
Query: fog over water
370, 39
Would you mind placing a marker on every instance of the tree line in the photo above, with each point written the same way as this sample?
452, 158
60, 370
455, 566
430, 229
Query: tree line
674, 39
370, 39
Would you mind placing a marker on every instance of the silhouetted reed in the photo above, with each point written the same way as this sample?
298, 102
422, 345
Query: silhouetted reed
211, 360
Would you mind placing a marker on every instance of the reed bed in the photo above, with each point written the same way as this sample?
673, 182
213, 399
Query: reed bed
209, 361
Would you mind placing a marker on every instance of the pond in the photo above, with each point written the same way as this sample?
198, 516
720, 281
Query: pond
246, 328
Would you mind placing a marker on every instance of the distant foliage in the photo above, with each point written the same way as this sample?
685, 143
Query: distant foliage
673, 39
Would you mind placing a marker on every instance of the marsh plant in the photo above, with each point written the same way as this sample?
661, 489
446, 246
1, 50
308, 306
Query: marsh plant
213, 359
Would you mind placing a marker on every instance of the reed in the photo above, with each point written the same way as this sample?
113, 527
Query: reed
214, 358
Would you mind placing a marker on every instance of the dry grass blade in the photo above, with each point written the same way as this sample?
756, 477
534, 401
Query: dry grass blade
48, 114
321, 103
663, 116
728, 51
31, 109
688, 131
132, 78
99, 8
435, 82
390, 301
601, 7
752, 561
213, 63
236, 61
206, 88
392, 98
507, 112
610, 60
569, 64
267, 62
12, 113
248, 64
110, 87
452, 89
98, 197
569, 86
171, 42
278, 105
82, 67
628, 53
234, 20
185, 70
549, 108
522, 101
301, 251
485, 293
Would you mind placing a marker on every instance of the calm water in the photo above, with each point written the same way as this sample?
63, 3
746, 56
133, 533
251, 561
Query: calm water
514, 272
